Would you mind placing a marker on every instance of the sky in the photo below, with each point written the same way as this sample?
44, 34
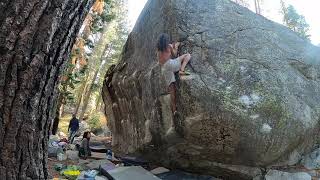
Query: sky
135, 7
308, 8
271, 10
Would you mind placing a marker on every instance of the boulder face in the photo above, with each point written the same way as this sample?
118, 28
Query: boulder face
252, 98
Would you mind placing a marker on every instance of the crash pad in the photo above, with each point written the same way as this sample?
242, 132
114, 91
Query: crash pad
134, 161
99, 148
176, 174
132, 173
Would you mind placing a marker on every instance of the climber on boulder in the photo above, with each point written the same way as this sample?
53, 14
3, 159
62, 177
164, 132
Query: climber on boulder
169, 66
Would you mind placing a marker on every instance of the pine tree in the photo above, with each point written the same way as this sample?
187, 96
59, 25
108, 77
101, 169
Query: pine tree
243, 3
75, 73
295, 21
114, 39
258, 4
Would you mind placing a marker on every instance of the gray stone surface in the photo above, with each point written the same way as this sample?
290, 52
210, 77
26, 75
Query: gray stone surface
53, 151
82, 177
252, 97
72, 155
132, 173
277, 175
180, 175
93, 164
159, 170
312, 160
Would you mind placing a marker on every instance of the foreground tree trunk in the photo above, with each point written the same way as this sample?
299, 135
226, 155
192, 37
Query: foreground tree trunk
36, 37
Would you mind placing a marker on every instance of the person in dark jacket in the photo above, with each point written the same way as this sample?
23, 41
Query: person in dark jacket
73, 128
84, 150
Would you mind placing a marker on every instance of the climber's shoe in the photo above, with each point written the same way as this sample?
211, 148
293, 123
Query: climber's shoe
184, 73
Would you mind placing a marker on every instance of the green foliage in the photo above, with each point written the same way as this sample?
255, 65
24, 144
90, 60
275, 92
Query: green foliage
108, 28
89, 44
295, 21
73, 75
116, 35
100, 19
69, 82
94, 122
83, 70
243, 3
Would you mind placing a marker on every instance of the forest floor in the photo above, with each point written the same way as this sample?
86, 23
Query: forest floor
53, 161
96, 141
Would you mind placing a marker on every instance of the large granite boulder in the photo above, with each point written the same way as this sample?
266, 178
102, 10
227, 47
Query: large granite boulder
253, 96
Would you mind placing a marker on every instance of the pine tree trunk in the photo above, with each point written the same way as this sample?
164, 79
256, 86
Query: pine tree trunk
36, 37
101, 106
90, 87
61, 110
258, 6
88, 94
80, 93
99, 100
255, 6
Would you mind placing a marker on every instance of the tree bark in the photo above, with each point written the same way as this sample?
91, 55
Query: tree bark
99, 100
81, 92
36, 37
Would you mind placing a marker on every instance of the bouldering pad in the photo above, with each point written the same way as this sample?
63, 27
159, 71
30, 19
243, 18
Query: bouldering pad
132, 173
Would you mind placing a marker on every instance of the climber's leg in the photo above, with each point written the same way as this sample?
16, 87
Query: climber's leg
184, 61
172, 91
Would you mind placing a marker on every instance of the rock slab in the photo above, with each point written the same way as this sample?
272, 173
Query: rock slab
276, 175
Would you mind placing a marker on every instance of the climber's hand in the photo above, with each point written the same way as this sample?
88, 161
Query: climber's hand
171, 47
176, 45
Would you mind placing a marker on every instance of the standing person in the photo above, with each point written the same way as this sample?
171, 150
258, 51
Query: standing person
73, 128
170, 66
84, 150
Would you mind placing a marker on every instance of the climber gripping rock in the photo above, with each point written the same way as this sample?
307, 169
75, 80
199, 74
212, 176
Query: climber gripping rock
170, 65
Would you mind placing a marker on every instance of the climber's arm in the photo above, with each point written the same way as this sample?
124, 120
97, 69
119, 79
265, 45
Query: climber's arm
174, 48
